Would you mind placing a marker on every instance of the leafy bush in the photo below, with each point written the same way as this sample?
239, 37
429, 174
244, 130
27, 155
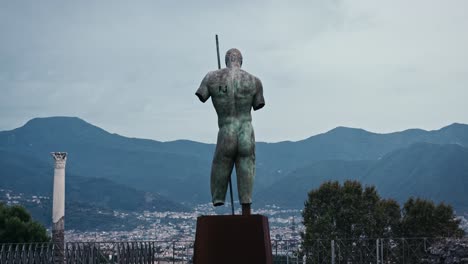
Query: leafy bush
17, 226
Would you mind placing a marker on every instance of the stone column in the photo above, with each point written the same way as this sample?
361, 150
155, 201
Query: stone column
58, 206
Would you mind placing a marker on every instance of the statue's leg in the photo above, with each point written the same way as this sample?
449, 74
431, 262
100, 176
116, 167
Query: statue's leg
245, 164
223, 163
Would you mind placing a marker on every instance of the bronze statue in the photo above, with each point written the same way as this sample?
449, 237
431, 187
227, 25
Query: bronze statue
234, 92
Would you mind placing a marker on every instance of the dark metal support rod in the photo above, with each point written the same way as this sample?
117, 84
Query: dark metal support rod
217, 52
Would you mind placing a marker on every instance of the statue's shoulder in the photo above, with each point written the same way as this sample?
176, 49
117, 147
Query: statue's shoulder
216, 74
250, 76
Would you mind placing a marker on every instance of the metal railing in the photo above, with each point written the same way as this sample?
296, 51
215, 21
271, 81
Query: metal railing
144, 252
378, 251
27, 253
339, 251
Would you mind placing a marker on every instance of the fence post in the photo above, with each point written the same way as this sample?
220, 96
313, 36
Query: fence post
377, 251
306, 254
403, 243
382, 251
173, 252
333, 252
287, 251
276, 248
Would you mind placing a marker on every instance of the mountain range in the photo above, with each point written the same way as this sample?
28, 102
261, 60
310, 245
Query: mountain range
112, 171
428, 170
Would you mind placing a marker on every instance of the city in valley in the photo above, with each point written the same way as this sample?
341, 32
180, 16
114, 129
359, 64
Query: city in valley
285, 224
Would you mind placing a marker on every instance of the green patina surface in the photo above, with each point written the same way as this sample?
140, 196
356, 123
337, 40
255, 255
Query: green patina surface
234, 92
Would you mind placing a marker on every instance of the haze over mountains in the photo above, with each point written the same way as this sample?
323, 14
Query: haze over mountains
111, 171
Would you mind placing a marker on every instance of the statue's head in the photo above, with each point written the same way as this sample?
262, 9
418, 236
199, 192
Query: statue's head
233, 58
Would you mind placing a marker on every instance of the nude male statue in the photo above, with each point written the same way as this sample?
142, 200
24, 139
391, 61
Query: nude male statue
234, 92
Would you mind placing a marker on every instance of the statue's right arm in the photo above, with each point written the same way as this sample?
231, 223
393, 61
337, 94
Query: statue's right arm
258, 100
203, 91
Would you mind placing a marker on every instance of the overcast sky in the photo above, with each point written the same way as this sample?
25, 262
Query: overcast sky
132, 67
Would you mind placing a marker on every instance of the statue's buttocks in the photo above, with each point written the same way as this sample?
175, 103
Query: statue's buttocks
234, 92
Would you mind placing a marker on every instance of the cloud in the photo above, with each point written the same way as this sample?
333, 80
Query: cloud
133, 68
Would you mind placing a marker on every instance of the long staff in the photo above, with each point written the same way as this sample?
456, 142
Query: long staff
230, 182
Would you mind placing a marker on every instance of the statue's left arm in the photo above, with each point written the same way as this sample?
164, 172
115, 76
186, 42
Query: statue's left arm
258, 100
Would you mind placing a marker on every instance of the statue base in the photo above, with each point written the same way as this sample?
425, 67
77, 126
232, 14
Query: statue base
232, 239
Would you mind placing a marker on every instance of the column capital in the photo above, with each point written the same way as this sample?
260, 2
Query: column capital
60, 159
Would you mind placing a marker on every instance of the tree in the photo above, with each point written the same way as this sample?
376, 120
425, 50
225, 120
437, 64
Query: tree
348, 211
17, 226
388, 215
422, 218
354, 216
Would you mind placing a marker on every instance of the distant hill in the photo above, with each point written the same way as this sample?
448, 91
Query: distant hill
27, 175
291, 190
433, 171
436, 172
169, 169
341, 143
30, 176
179, 170
82, 216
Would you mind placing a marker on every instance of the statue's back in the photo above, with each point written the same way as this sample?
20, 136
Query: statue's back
233, 92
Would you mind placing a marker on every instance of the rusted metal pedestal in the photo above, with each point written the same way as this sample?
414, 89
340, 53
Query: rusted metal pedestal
232, 239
